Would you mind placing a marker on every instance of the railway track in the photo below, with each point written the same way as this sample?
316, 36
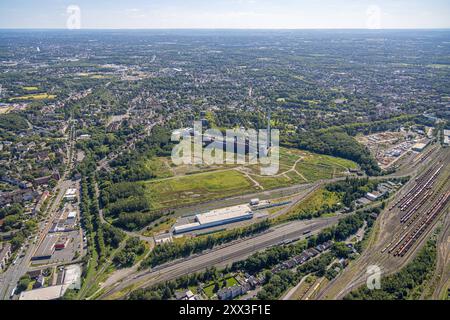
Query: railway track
421, 206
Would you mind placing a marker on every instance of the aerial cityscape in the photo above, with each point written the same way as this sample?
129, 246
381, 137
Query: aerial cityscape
194, 163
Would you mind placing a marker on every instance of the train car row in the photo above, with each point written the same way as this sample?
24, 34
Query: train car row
392, 246
416, 207
413, 214
423, 183
423, 187
423, 225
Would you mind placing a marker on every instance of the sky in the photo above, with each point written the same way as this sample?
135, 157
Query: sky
211, 14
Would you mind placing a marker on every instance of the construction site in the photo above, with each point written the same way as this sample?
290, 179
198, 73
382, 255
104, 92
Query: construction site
389, 146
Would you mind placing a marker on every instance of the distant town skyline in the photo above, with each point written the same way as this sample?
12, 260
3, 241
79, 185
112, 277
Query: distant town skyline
244, 14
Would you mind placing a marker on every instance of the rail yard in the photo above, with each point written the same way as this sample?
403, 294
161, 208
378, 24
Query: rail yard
405, 224
419, 208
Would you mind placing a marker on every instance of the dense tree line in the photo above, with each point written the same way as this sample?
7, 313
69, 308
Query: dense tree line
130, 166
403, 284
137, 220
127, 204
276, 284
126, 257
112, 235
352, 189
368, 128
86, 220
131, 204
13, 122
113, 192
166, 290
100, 236
339, 144
345, 228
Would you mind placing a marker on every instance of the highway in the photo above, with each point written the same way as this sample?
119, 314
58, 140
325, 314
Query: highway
221, 256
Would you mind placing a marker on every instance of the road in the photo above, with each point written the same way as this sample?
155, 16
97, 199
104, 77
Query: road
10, 278
221, 256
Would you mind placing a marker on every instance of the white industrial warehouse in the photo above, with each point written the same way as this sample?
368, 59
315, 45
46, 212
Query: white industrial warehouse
216, 218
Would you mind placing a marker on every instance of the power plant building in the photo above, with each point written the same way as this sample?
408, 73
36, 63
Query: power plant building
216, 218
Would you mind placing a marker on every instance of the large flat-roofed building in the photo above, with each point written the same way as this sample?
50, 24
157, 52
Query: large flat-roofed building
70, 195
72, 215
216, 218
71, 280
187, 227
47, 293
46, 249
419, 147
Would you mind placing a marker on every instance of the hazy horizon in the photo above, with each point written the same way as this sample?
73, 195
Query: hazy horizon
226, 14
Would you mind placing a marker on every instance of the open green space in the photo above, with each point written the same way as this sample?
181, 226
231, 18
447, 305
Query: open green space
37, 96
319, 200
315, 167
30, 88
196, 188
159, 166
174, 187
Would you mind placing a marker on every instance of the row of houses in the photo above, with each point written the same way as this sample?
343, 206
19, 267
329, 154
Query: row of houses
18, 196
303, 257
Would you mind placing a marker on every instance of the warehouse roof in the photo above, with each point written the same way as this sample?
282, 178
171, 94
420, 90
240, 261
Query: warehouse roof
47, 293
72, 214
46, 247
223, 214
419, 146
71, 191
187, 226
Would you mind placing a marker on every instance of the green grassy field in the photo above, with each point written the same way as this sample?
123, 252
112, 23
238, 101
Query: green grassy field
30, 88
316, 167
159, 166
37, 96
197, 188
312, 203
297, 166
279, 181
185, 185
